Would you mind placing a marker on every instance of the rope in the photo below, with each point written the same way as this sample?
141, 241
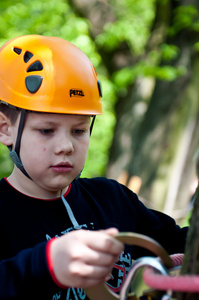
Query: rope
177, 259
182, 283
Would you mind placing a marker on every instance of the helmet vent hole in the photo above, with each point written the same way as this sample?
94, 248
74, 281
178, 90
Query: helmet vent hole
17, 50
36, 66
33, 83
27, 56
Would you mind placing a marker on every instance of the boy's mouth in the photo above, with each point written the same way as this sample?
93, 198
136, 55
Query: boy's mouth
62, 167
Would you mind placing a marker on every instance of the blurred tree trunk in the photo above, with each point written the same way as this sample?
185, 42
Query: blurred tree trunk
191, 261
130, 110
99, 13
146, 142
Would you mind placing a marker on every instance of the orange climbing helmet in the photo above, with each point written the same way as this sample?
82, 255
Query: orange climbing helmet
48, 74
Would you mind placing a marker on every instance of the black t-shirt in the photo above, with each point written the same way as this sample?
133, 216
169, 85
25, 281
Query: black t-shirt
26, 224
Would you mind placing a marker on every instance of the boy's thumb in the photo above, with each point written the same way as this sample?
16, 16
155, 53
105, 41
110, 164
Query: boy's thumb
111, 231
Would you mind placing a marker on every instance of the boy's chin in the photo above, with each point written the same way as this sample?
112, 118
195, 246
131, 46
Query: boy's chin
61, 187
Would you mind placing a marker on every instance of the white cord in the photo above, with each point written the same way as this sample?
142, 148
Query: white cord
69, 211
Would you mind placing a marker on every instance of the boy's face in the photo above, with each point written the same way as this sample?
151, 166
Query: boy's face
53, 152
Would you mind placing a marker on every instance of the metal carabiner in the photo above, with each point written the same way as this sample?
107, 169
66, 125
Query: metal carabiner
139, 263
101, 291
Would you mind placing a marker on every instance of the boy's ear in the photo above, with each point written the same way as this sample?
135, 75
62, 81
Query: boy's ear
5, 130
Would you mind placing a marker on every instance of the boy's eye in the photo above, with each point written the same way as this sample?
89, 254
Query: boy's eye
46, 131
78, 131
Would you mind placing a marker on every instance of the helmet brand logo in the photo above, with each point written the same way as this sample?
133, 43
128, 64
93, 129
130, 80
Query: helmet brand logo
76, 93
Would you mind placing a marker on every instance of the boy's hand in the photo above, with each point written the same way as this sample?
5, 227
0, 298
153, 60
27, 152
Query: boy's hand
85, 258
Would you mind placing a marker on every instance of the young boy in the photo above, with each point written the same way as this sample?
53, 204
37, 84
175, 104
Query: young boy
57, 231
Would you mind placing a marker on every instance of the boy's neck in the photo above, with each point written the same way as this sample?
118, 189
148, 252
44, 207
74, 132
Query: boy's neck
29, 188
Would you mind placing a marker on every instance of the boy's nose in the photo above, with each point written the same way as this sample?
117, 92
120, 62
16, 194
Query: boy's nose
64, 145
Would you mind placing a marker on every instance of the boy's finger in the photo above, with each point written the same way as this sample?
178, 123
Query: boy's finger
106, 243
111, 231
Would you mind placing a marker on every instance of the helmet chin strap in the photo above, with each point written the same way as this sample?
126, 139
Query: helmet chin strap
14, 154
91, 129
92, 124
